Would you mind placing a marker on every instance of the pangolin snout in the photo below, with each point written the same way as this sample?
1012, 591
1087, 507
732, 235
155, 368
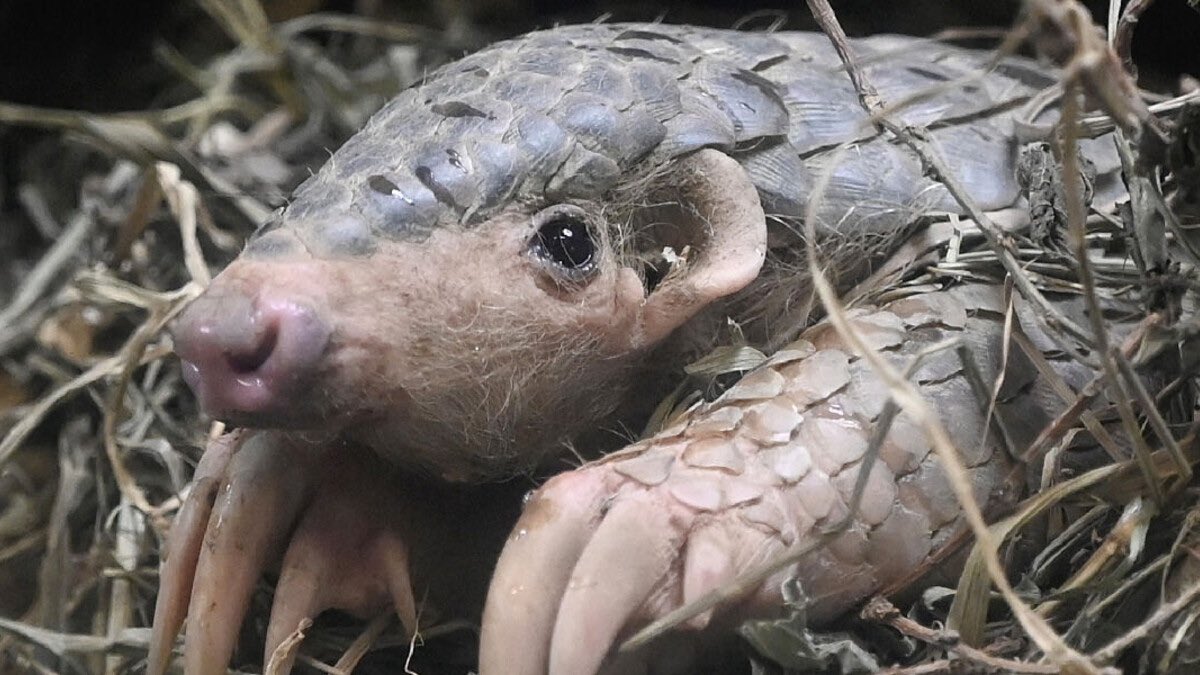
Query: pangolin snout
250, 359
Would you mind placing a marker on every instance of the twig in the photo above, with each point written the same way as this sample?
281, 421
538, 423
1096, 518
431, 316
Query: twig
1073, 191
183, 202
73, 120
878, 609
932, 668
975, 379
286, 649
1077, 408
50, 267
1138, 388
1092, 611
1149, 627
1122, 541
35, 206
1092, 126
867, 94
1075, 412
349, 659
130, 528
130, 359
1122, 35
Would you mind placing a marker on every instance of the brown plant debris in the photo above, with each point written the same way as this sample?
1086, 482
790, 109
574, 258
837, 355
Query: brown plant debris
1097, 570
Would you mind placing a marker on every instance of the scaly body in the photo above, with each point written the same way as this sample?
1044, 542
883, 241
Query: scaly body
486, 271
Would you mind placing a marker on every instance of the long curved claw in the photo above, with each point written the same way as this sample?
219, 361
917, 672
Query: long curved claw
299, 595
708, 564
183, 550
347, 553
316, 577
602, 597
534, 570
264, 491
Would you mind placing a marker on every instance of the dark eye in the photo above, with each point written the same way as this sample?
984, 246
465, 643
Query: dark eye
564, 240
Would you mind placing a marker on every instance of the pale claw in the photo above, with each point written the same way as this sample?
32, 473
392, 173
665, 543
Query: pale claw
630, 555
249, 488
183, 550
541, 555
265, 489
346, 554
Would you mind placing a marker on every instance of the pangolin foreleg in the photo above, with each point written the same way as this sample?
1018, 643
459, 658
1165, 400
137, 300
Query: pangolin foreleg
603, 550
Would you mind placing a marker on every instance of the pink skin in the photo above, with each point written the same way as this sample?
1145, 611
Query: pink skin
464, 334
244, 357
461, 356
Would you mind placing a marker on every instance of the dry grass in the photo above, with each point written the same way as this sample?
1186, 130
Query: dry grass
100, 435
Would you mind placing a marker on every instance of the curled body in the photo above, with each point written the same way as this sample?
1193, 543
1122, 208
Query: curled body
493, 267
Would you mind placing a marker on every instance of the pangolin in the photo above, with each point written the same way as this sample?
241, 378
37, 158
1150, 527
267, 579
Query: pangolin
497, 267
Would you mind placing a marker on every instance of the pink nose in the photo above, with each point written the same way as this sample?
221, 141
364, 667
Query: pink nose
249, 359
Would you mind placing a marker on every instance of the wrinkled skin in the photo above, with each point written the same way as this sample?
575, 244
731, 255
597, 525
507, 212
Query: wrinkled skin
404, 328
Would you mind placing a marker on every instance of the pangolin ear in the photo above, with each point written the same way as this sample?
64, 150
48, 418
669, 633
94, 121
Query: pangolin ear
710, 216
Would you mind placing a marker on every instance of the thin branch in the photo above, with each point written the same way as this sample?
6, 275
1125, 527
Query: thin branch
1073, 191
1149, 627
51, 266
880, 610
1122, 37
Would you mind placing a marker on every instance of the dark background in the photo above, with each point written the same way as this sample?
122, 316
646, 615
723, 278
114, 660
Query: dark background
98, 55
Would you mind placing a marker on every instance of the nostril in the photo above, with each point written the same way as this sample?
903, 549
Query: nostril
250, 355
243, 362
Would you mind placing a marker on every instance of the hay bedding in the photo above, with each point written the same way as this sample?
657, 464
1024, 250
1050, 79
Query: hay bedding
123, 218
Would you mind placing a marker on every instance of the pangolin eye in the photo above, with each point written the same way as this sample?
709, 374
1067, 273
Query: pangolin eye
567, 242
564, 239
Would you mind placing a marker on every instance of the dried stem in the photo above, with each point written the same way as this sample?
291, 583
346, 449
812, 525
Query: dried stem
1149, 627
880, 610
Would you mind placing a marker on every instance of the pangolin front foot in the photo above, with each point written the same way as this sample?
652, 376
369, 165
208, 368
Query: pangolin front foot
344, 531
597, 554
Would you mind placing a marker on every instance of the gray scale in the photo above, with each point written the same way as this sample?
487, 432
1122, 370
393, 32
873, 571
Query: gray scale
563, 114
